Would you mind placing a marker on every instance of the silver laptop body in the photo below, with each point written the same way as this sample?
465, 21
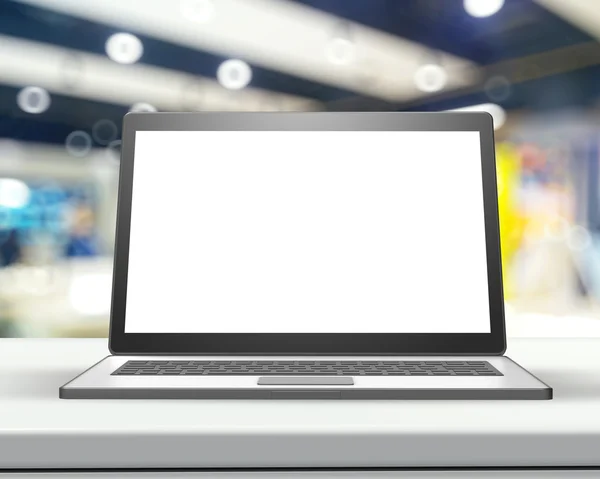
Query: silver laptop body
307, 256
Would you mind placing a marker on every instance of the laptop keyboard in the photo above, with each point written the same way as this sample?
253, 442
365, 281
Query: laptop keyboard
307, 368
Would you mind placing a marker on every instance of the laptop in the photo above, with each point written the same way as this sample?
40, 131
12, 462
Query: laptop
307, 256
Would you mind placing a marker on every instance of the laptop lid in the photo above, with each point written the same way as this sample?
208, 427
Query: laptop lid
307, 233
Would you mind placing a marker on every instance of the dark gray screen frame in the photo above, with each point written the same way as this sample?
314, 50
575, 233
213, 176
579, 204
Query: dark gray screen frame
493, 343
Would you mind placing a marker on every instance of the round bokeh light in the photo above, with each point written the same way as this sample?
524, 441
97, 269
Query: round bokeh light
234, 74
33, 99
124, 48
431, 78
78, 143
104, 131
578, 238
498, 88
482, 8
113, 150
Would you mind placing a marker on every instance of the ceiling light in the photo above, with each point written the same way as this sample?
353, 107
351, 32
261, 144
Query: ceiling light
13, 193
234, 74
483, 8
431, 78
124, 48
33, 99
498, 113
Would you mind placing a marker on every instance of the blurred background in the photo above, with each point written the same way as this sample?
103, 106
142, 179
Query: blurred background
70, 70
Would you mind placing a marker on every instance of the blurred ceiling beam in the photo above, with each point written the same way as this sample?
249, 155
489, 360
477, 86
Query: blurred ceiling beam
515, 71
278, 35
96, 77
552, 62
584, 14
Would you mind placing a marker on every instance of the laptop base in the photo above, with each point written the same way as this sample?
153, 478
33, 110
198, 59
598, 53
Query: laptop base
101, 382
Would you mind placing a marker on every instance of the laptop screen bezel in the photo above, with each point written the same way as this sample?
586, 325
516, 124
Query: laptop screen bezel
322, 344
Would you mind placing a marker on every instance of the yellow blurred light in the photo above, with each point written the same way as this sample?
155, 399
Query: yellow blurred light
513, 225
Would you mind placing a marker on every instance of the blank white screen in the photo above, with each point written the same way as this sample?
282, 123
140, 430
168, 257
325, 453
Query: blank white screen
271, 231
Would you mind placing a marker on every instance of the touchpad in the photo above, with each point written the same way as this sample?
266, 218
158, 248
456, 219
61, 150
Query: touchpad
306, 381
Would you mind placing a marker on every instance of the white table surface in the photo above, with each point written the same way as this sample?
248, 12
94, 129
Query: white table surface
38, 430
